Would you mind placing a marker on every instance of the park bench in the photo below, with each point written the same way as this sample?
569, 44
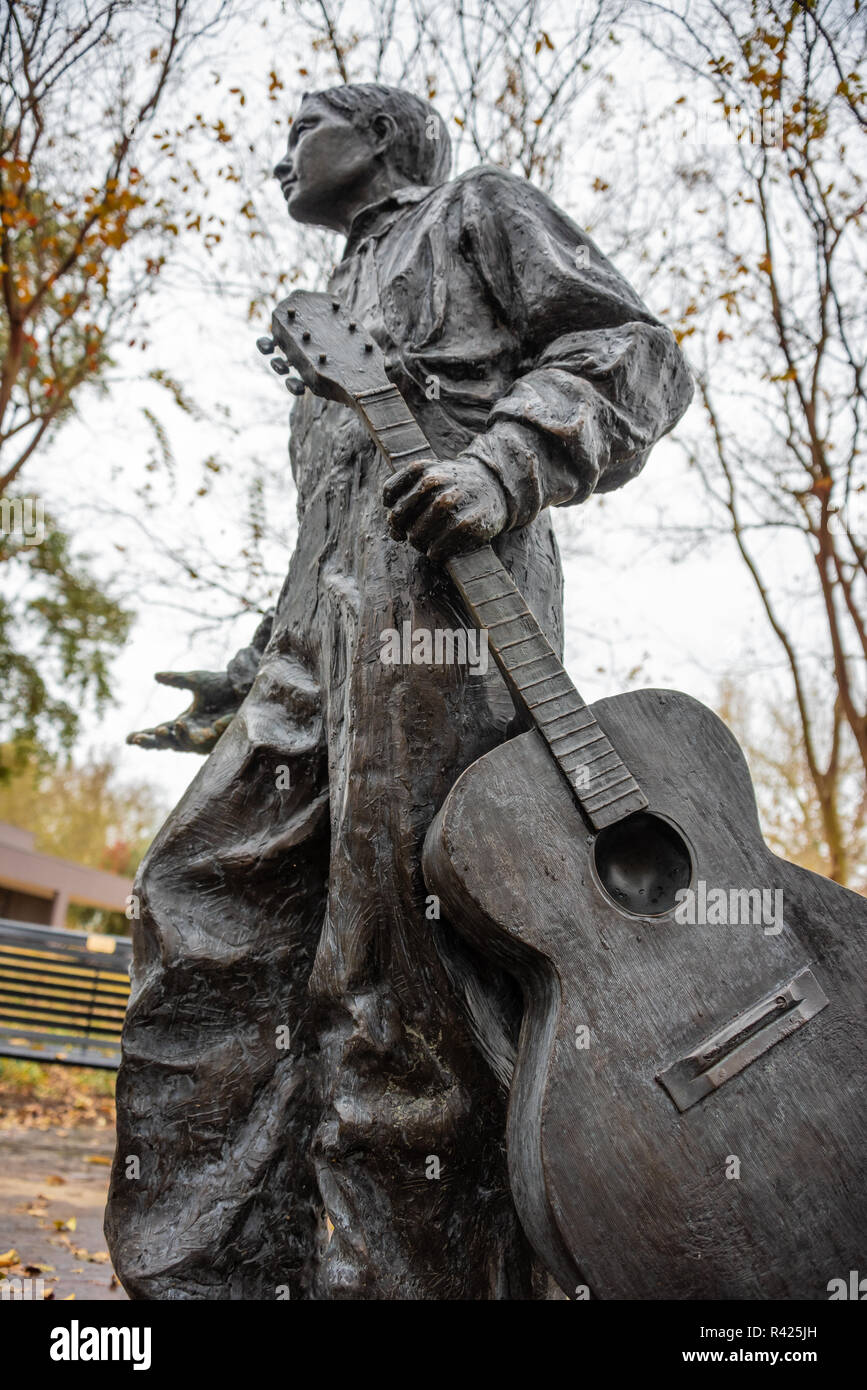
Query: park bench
63, 994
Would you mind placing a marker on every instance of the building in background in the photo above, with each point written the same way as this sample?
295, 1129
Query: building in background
40, 888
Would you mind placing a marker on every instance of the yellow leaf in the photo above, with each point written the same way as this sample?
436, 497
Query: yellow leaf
98, 1158
10, 1258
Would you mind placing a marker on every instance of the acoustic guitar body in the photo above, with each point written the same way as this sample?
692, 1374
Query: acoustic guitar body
686, 1118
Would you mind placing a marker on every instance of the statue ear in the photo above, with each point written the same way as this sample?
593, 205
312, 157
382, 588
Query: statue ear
384, 128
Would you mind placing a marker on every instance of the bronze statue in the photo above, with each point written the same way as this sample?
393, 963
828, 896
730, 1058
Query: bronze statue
315, 1063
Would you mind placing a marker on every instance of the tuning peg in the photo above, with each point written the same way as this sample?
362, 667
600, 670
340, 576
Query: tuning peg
295, 385
266, 346
279, 365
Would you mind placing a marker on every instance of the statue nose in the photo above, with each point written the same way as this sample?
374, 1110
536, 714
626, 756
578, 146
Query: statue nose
283, 169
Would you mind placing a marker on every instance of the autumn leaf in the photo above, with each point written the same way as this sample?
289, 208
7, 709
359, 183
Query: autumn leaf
10, 1258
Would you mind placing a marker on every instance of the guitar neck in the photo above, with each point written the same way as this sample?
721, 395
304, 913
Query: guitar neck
599, 779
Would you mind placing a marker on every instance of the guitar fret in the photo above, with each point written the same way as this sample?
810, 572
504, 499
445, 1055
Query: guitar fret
599, 757
476, 577
541, 681
603, 791
375, 392
603, 806
571, 732
539, 703
578, 747
567, 714
546, 723
588, 742
597, 797
509, 593
581, 748
501, 622
602, 772
532, 661
604, 786
405, 453
533, 637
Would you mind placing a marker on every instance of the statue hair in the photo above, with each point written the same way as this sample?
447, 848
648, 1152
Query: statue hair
422, 149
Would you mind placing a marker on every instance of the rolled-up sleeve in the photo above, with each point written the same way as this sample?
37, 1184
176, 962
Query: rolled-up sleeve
599, 379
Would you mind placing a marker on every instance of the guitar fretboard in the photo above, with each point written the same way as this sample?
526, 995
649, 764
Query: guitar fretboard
599, 778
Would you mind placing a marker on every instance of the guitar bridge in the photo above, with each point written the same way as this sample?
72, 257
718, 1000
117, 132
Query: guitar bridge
749, 1036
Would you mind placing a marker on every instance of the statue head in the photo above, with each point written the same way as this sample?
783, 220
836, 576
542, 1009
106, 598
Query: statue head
352, 145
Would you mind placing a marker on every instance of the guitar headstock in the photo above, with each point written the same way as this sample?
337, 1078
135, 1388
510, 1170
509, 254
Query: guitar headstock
332, 352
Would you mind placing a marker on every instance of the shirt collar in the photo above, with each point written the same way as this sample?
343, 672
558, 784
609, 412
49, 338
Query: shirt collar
376, 218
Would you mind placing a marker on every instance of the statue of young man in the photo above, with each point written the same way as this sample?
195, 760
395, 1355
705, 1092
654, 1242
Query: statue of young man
314, 1066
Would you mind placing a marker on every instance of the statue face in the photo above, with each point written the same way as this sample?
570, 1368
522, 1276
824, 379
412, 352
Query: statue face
327, 167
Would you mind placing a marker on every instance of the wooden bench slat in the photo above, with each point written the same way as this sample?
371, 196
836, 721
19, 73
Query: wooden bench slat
78, 1019
15, 985
76, 1050
58, 965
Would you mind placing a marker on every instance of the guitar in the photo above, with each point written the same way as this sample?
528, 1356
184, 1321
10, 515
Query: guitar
686, 1116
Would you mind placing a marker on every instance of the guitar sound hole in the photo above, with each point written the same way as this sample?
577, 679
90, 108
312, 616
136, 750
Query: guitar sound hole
642, 862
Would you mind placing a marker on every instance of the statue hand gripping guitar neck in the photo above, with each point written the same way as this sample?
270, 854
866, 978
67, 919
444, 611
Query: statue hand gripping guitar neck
686, 1116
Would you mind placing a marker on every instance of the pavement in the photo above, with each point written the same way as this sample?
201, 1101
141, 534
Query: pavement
53, 1186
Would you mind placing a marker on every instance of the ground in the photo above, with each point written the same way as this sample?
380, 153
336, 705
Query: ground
56, 1143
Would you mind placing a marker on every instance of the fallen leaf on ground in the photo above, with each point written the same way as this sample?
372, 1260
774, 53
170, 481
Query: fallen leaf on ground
55, 1179
68, 1225
98, 1158
10, 1258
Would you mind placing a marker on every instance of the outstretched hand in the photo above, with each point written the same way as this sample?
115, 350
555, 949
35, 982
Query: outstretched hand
197, 729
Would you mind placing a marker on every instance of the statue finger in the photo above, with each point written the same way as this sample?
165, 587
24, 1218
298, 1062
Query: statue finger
459, 538
415, 502
182, 680
160, 737
437, 518
400, 481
